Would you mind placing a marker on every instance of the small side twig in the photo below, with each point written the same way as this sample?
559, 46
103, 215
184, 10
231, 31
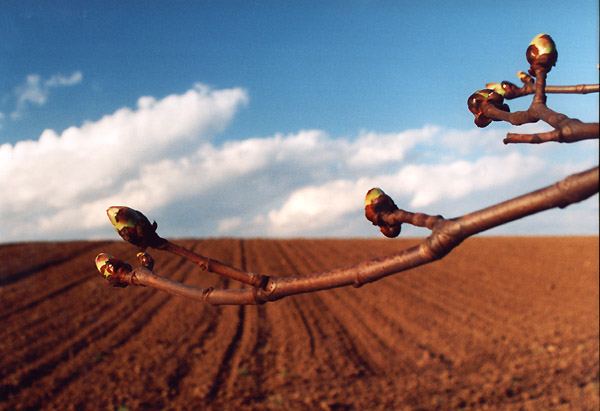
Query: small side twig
216, 267
135, 228
488, 104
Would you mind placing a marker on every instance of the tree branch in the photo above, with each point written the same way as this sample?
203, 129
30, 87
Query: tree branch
566, 130
578, 89
217, 267
446, 235
487, 105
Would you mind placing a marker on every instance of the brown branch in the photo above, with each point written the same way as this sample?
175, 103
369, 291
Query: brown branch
135, 228
214, 266
417, 219
518, 118
487, 105
446, 235
566, 130
578, 89
570, 132
529, 88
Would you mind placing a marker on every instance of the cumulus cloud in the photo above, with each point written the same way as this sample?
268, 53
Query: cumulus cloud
53, 184
161, 157
35, 90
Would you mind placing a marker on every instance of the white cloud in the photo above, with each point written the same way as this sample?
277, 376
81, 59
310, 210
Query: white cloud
56, 180
60, 80
414, 186
376, 150
161, 159
315, 207
35, 90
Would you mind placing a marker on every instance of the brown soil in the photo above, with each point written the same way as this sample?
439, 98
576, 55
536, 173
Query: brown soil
500, 323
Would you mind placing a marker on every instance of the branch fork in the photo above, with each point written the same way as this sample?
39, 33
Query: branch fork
488, 104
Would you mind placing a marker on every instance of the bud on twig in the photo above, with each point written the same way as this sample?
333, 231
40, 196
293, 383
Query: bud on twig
376, 202
146, 260
506, 89
477, 102
525, 78
134, 227
497, 87
115, 270
541, 53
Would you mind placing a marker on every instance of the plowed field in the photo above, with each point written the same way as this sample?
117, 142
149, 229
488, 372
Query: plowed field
500, 323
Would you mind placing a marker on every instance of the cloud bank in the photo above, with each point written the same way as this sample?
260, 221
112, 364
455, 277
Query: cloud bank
163, 157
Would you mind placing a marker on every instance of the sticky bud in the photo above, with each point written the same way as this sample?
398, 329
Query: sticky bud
123, 217
101, 263
134, 227
477, 102
376, 202
146, 260
524, 77
497, 87
391, 231
541, 53
113, 269
506, 89
372, 195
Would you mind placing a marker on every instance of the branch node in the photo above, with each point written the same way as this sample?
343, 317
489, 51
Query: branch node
358, 281
206, 293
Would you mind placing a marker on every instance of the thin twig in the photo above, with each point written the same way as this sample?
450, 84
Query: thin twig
214, 266
446, 235
570, 132
529, 89
578, 89
566, 130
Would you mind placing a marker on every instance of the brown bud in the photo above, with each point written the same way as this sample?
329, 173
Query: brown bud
134, 227
146, 260
510, 90
376, 202
524, 77
541, 53
477, 102
391, 231
497, 87
116, 271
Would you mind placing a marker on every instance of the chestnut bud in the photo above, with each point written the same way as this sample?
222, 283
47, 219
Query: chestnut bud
477, 102
541, 53
146, 260
506, 89
525, 78
116, 271
376, 201
134, 227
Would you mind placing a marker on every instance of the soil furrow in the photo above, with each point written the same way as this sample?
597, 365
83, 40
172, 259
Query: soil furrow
438, 293
359, 337
334, 338
68, 350
18, 266
229, 369
500, 323
224, 371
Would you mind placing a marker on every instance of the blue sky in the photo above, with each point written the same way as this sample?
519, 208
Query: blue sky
272, 118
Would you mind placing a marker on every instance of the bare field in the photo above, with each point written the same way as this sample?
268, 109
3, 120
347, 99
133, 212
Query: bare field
500, 323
